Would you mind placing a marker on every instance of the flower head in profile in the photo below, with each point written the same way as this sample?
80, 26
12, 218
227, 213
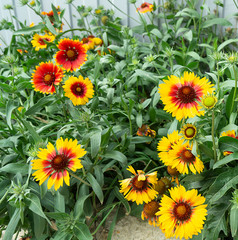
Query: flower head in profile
182, 214
46, 77
71, 55
78, 90
166, 144
182, 95
189, 131
145, 7
90, 42
145, 130
182, 158
138, 188
229, 133
54, 163
40, 41
149, 211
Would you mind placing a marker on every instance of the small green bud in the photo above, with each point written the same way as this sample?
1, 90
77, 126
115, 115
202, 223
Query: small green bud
8, 7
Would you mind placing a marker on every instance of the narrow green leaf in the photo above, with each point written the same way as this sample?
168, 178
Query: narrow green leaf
138, 139
79, 205
9, 108
15, 168
49, 25
156, 32
216, 21
122, 199
29, 30
95, 141
39, 225
234, 220
113, 224
228, 144
146, 103
227, 42
82, 232
96, 187
229, 103
225, 160
59, 202
139, 119
120, 157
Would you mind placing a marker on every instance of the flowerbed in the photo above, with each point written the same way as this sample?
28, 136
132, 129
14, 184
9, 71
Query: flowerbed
139, 120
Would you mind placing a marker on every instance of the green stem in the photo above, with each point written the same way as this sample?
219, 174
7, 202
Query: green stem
234, 96
5, 195
171, 64
218, 79
213, 136
165, 20
235, 4
79, 178
200, 21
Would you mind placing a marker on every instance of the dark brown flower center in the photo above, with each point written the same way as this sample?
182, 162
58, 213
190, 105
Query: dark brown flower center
59, 162
151, 208
186, 94
139, 184
144, 5
189, 132
70, 53
187, 156
48, 79
182, 211
78, 89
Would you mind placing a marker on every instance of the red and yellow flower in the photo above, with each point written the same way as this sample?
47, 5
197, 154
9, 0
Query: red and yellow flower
39, 41
90, 42
182, 95
229, 133
145, 7
46, 77
145, 130
71, 55
149, 211
139, 187
54, 163
182, 158
78, 90
182, 214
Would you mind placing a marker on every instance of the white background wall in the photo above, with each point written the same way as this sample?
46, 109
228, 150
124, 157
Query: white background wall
23, 13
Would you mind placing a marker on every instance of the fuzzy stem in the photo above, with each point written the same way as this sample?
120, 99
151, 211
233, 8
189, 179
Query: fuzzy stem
213, 136
234, 96
80, 179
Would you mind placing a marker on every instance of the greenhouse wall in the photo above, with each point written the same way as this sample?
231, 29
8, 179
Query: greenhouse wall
122, 9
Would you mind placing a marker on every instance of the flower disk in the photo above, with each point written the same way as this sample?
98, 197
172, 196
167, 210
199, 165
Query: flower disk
149, 211
181, 95
183, 214
145, 7
78, 90
54, 163
139, 188
38, 41
189, 131
46, 76
72, 54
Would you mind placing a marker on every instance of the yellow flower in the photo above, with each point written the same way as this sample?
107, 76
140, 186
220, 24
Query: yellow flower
98, 11
149, 211
54, 163
78, 90
209, 101
139, 187
181, 95
39, 41
32, 24
182, 214
189, 131
229, 133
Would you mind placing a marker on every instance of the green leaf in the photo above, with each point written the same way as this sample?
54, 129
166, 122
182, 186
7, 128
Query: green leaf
35, 206
227, 42
119, 50
12, 225
113, 224
59, 202
139, 119
146, 103
194, 55
29, 30
95, 186
120, 157
188, 35
225, 160
228, 144
39, 225
58, 215
229, 103
95, 141
32, 131
156, 32
234, 220
9, 108
49, 25
79, 205
216, 21
122, 199
82, 232
42, 102
15, 168
138, 139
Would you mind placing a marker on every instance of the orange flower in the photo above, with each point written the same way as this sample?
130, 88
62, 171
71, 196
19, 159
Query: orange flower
72, 54
145, 7
46, 76
145, 130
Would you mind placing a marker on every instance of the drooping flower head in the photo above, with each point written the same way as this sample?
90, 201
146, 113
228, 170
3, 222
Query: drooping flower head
181, 95
145, 7
38, 41
145, 130
78, 90
189, 131
139, 187
166, 144
149, 211
71, 55
229, 133
182, 158
90, 42
46, 77
54, 163
182, 214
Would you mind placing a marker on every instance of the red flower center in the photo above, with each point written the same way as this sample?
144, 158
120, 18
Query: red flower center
144, 5
182, 211
59, 162
186, 94
187, 156
85, 40
78, 89
41, 41
48, 79
139, 185
70, 53
151, 208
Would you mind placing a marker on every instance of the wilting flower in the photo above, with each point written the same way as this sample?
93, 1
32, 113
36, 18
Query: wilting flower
189, 131
209, 101
72, 54
78, 90
173, 172
139, 187
54, 163
90, 42
39, 41
149, 211
166, 144
182, 158
145, 7
229, 133
46, 77
145, 130
181, 95
182, 214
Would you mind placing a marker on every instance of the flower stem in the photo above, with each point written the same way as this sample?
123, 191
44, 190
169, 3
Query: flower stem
80, 179
234, 95
213, 136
